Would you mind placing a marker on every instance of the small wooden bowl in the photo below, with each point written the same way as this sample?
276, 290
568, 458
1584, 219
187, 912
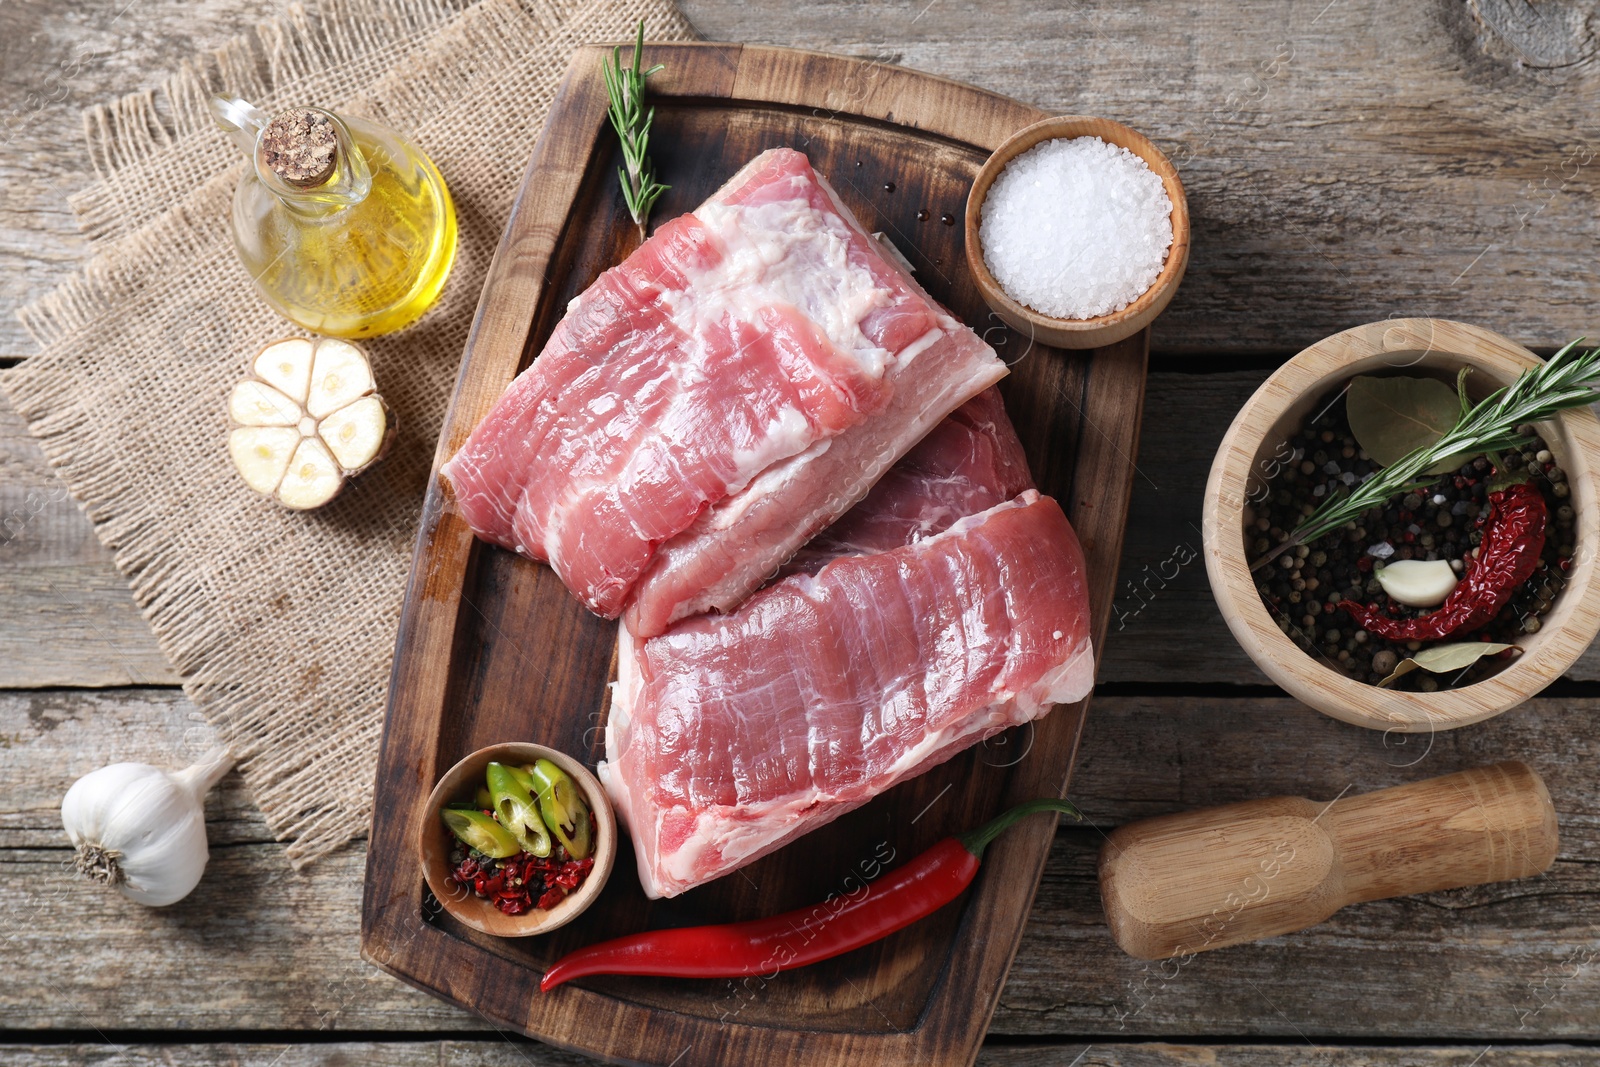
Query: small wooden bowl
434, 842
1104, 329
1277, 410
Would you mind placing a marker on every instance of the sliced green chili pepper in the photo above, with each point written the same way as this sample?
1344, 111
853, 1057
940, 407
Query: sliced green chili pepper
484, 800
478, 831
514, 805
564, 808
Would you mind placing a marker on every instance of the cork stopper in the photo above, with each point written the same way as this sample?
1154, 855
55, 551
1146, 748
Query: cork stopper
301, 146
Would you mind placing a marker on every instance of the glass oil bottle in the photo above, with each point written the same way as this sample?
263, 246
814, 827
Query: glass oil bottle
346, 228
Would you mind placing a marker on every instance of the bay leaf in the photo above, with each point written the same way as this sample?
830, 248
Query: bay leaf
1391, 417
1404, 667
1444, 659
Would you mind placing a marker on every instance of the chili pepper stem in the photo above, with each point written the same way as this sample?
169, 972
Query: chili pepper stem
975, 841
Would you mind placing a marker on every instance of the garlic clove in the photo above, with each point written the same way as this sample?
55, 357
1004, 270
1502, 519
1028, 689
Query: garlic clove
256, 403
355, 433
1418, 583
313, 478
286, 366
262, 454
339, 375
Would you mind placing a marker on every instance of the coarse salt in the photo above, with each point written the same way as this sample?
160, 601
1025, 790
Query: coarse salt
1076, 227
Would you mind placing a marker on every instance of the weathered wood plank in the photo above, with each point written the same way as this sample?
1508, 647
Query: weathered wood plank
1318, 153
69, 618
272, 949
1257, 194
1508, 960
279, 951
1165, 626
70, 610
1344, 162
1355, 179
513, 1052
1306, 1053
56, 60
71, 621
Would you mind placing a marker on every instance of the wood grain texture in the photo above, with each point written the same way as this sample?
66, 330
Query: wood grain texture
256, 946
1202, 880
278, 951
69, 618
1343, 162
1356, 241
1165, 626
56, 60
1495, 961
502, 1052
901, 149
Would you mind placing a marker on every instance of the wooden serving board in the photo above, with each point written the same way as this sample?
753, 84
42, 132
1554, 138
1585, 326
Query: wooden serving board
492, 648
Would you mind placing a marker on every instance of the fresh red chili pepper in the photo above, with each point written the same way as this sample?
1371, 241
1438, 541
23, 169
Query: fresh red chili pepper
808, 935
1513, 540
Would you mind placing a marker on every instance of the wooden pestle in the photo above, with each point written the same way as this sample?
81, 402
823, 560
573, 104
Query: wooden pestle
1180, 884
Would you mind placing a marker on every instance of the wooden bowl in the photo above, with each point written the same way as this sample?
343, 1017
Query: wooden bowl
1104, 329
434, 842
1276, 411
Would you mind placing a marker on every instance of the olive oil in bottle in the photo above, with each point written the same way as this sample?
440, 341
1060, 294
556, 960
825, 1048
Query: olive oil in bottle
346, 228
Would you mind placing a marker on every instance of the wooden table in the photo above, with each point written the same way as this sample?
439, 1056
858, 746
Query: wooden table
1345, 160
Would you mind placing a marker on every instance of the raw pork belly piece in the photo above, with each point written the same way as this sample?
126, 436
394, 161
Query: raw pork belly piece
968, 463
714, 400
731, 735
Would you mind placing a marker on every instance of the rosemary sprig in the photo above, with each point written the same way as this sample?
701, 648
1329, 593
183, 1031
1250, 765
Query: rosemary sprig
1563, 381
631, 119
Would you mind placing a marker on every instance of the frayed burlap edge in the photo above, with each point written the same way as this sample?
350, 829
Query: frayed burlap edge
165, 178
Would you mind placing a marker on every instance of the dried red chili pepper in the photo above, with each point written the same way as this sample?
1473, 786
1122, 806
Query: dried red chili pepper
809, 935
1513, 540
524, 881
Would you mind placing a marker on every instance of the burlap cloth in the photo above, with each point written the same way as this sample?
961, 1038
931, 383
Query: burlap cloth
282, 624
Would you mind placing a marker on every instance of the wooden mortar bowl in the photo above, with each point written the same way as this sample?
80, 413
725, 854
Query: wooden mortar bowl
434, 843
1105, 329
1276, 411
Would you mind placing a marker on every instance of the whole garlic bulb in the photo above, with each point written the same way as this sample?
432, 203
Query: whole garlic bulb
142, 829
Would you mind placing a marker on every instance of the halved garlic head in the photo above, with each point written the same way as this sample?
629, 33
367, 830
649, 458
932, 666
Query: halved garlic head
1418, 583
306, 418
